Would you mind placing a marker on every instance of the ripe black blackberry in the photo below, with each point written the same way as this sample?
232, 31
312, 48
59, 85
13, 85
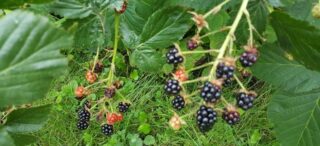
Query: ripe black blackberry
98, 68
107, 129
245, 100
224, 71
206, 117
249, 57
178, 102
173, 56
210, 92
231, 115
110, 92
83, 114
123, 107
82, 125
172, 86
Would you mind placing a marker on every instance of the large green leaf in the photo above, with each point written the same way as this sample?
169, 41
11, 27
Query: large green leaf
28, 119
5, 138
23, 139
274, 67
164, 27
70, 9
197, 5
298, 38
296, 118
29, 57
148, 60
5, 4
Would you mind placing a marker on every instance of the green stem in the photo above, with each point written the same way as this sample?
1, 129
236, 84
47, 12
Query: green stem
115, 48
228, 38
198, 52
240, 83
214, 32
251, 27
195, 80
199, 67
216, 9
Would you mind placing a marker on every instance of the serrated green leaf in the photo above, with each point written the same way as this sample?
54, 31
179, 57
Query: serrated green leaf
7, 4
298, 38
147, 60
5, 138
296, 118
29, 57
27, 119
197, 5
275, 67
70, 8
161, 32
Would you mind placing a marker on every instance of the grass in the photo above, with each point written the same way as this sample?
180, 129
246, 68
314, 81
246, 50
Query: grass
150, 107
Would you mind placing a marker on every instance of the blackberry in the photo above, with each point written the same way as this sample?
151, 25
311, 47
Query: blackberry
178, 102
107, 129
224, 71
172, 86
110, 92
123, 107
98, 68
248, 58
192, 44
245, 100
206, 117
173, 56
210, 92
231, 116
82, 125
83, 114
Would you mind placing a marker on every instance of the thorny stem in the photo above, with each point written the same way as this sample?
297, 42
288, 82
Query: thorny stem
198, 52
215, 32
95, 59
115, 48
240, 83
216, 9
251, 27
195, 80
229, 37
199, 67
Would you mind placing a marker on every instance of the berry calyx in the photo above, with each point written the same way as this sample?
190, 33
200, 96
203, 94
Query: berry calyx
249, 57
176, 122
98, 68
80, 92
245, 99
181, 75
91, 77
110, 92
123, 107
173, 56
172, 87
82, 125
107, 129
231, 115
178, 102
206, 117
123, 7
211, 91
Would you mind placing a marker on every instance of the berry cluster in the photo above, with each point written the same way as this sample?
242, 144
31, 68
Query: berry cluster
99, 107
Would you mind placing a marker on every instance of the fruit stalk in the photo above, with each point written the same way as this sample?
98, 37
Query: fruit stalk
229, 37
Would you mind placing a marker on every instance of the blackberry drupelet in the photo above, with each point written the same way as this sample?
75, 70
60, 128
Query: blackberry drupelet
206, 117
249, 57
231, 116
83, 114
172, 86
107, 129
210, 92
82, 125
173, 56
178, 102
245, 100
123, 107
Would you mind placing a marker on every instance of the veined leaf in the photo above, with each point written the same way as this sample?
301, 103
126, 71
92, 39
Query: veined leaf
7, 4
70, 9
296, 118
5, 138
275, 67
29, 57
148, 60
298, 38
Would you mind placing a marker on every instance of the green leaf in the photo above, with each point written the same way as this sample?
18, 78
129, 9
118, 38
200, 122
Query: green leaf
298, 38
70, 8
149, 140
23, 139
134, 75
135, 140
161, 32
27, 119
5, 138
29, 57
275, 67
296, 118
144, 128
6, 4
197, 5
255, 137
147, 60
216, 22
